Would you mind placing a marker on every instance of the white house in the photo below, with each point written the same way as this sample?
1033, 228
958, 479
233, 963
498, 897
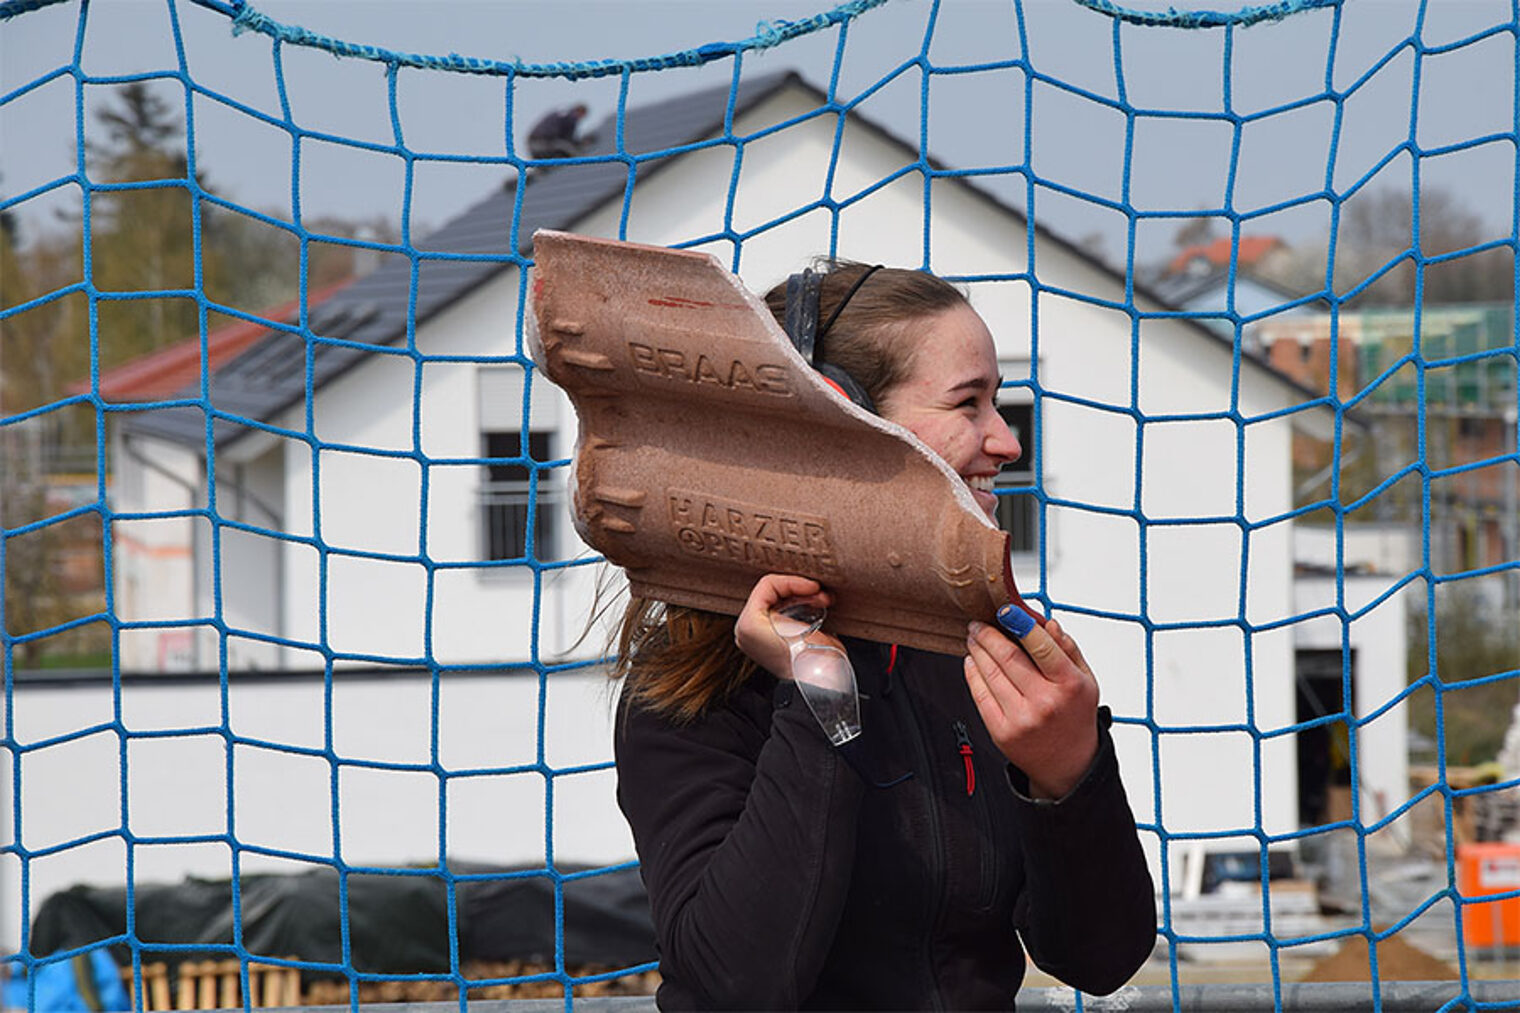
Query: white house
351, 523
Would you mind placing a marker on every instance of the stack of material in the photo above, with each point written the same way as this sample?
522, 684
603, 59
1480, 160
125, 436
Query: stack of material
396, 924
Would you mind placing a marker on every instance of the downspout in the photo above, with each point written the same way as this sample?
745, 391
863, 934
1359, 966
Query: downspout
245, 499
154, 466
192, 492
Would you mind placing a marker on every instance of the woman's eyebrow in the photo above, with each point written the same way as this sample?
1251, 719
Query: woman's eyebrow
977, 383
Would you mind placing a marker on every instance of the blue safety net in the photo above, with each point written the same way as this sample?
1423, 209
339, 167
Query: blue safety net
1273, 491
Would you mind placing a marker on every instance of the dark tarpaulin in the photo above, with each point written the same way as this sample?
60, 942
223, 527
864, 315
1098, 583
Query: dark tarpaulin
606, 920
397, 924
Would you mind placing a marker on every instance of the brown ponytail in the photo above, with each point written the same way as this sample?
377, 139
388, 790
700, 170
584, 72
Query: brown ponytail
678, 661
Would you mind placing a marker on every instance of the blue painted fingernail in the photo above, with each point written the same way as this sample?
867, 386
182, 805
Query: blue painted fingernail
1015, 620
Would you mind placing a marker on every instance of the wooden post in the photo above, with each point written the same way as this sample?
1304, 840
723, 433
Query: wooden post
187, 975
155, 986
205, 993
156, 981
275, 985
229, 976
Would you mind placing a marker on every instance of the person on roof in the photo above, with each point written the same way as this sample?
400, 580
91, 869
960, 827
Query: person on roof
974, 813
554, 135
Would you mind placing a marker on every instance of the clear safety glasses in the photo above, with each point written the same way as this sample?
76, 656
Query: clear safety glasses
822, 672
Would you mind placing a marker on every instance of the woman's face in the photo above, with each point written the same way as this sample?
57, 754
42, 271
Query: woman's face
949, 400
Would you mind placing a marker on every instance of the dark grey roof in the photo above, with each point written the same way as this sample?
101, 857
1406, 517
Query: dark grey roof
271, 375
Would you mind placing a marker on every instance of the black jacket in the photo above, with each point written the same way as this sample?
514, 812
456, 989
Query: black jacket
891, 874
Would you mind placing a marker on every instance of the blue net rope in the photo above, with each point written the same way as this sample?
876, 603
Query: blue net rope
1447, 367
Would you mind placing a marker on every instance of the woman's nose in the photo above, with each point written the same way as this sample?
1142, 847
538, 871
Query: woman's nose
1000, 442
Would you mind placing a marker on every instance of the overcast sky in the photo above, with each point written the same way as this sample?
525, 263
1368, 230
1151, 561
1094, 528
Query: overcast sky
977, 120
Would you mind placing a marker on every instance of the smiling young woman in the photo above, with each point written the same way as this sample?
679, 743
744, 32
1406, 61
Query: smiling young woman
976, 814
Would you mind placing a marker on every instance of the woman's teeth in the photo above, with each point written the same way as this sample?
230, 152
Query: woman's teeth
981, 483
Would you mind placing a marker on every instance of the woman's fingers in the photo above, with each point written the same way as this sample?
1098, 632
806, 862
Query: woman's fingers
1037, 699
987, 704
753, 631
1047, 653
997, 707
1038, 645
998, 658
775, 588
993, 679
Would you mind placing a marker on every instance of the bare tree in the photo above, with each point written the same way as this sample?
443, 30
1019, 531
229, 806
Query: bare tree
1377, 233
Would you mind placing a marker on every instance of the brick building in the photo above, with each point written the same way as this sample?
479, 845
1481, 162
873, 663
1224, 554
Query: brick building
1460, 378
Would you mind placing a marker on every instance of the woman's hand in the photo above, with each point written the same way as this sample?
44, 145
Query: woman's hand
1039, 703
752, 630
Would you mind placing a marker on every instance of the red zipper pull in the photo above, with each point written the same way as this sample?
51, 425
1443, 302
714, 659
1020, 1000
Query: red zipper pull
964, 739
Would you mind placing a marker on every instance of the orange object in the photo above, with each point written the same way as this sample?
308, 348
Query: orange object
1484, 869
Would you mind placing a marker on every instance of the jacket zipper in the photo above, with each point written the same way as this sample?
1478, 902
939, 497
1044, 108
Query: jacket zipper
964, 739
937, 850
987, 888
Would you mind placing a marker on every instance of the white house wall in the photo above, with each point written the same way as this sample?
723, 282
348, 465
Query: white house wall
178, 786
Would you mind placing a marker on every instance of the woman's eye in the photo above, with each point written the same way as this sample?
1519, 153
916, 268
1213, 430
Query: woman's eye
970, 402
